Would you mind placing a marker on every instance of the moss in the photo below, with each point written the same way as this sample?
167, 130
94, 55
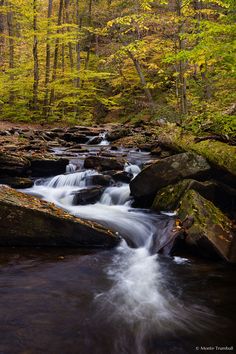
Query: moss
211, 227
217, 153
168, 197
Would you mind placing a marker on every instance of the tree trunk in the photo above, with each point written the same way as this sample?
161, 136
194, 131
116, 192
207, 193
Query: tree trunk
36, 60
48, 59
69, 44
78, 61
11, 54
182, 64
56, 51
143, 81
2, 30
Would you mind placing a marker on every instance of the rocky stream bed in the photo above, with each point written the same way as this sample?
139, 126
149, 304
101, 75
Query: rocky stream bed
162, 222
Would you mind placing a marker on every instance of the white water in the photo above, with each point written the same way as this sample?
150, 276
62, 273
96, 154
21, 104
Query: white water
104, 140
139, 296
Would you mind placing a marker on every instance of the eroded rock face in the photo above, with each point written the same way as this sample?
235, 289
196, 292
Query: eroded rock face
17, 182
211, 234
13, 165
41, 167
29, 221
167, 171
104, 163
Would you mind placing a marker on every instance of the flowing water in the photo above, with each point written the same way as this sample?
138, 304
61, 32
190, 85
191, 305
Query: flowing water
126, 300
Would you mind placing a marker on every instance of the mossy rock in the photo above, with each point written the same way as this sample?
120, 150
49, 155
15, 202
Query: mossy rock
219, 154
29, 221
167, 171
168, 198
211, 233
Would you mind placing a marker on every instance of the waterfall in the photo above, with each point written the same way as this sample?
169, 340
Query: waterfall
75, 179
70, 168
133, 169
104, 140
139, 296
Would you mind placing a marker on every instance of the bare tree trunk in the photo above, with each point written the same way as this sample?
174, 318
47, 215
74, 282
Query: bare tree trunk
11, 54
143, 81
56, 51
69, 44
36, 60
2, 30
48, 60
182, 64
78, 59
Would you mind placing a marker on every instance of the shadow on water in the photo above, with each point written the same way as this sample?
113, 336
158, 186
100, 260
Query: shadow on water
63, 301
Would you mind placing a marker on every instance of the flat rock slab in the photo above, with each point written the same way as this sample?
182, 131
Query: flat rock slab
29, 221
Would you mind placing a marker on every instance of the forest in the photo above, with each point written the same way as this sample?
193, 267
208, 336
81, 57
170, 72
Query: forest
79, 61
117, 176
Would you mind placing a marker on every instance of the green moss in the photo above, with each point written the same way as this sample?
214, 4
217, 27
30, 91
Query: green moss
217, 153
211, 230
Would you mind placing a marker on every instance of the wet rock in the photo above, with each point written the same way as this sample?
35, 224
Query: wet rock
104, 163
168, 198
29, 221
90, 195
211, 234
13, 165
118, 133
95, 140
76, 138
17, 182
168, 171
45, 167
100, 180
122, 176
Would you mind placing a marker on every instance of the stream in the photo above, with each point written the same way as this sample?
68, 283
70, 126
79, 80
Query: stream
127, 300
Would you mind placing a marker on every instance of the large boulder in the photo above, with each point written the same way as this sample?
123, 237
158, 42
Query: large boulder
13, 165
211, 234
222, 195
167, 171
168, 198
104, 163
46, 167
29, 221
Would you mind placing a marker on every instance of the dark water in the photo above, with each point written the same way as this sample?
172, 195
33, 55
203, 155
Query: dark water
48, 304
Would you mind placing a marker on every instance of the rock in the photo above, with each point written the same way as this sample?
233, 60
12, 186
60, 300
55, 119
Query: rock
122, 176
156, 151
41, 167
211, 234
89, 195
13, 165
17, 182
104, 163
77, 138
29, 221
168, 198
118, 133
99, 180
221, 195
95, 140
168, 171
